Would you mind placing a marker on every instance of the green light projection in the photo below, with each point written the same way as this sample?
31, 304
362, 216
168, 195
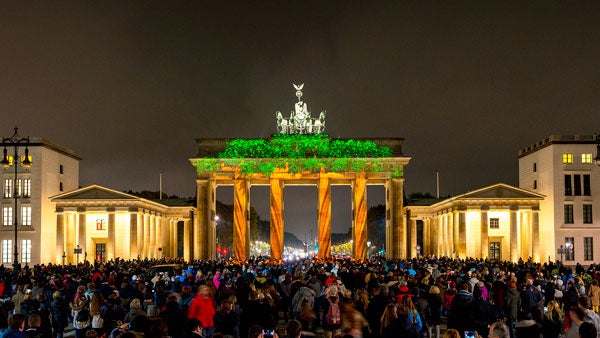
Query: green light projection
299, 153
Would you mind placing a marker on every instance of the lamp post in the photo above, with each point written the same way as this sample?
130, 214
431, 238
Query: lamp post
15, 141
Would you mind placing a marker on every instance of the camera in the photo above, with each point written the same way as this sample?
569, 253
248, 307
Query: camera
268, 333
470, 334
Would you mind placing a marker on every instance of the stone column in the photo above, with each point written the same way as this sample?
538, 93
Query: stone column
70, 237
455, 225
81, 233
462, 233
435, 236
450, 220
110, 241
396, 243
133, 233
60, 236
146, 235
240, 219
359, 202
276, 226
413, 237
514, 250
427, 250
188, 251
535, 234
324, 218
444, 231
485, 244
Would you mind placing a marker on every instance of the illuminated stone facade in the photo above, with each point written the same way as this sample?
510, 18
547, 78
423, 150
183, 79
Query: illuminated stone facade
498, 222
98, 223
562, 168
229, 172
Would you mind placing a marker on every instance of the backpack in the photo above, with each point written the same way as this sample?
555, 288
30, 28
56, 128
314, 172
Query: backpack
333, 314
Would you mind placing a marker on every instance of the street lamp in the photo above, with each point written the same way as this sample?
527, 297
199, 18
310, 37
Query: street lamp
15, 141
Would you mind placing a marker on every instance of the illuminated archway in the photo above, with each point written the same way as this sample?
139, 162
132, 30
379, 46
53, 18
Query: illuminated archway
299, 160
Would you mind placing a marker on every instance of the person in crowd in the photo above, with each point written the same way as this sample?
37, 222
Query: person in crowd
194, 328
377, 305
587, 330
529, 324
95, 306
461, 315
35, 329
585, 304
389, 314
402, 326
451, 333
80, 309
435, 305
413, 314
59, 311
552, 323
173, 315
227, 321
594, 294
498, 330
307, 317
135, 309
576, 315
29, 304
16, 326
483, 312
293, 329
203, 309
353, 322
330, 321
513, 304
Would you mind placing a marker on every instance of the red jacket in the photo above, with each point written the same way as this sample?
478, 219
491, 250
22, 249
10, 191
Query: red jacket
202, 309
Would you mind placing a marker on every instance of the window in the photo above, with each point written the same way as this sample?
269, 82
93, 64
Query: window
100, 224
567, 158
587, 191
6, 250
60, 186
534, 167
569, 248
8, 190
26, 215
6, 216
568, 186
588, 248
568, 213
577, 185
60, 169
26, 251
586, 158
18, 187
587, 213
534, 184
494, 223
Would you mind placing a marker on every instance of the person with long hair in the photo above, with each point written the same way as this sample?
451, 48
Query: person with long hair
353, 322
81, 304
307, 317
451, 333
553, 318
413, 314
402, 326
95, 305
389, 314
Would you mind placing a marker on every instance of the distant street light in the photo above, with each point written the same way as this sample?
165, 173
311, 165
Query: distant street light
15, 141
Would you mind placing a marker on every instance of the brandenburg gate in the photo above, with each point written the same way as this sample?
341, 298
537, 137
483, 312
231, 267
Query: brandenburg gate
299, 154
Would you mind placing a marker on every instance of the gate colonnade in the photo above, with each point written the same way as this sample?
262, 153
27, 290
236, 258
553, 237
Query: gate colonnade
214, 170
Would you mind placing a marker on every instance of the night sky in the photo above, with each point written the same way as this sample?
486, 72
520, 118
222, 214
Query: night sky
130, 85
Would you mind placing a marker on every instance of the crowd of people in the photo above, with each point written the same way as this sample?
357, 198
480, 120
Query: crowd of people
377, 298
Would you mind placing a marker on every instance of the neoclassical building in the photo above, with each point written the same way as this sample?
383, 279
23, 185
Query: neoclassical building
98, 223
499, 222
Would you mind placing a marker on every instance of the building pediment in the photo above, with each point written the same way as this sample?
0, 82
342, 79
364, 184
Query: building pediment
93, 192
500, 191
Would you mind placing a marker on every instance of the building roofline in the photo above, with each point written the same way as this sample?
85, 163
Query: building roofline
42, 142
557, 139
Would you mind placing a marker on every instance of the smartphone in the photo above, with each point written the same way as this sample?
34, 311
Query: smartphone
470, 334
268, 333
